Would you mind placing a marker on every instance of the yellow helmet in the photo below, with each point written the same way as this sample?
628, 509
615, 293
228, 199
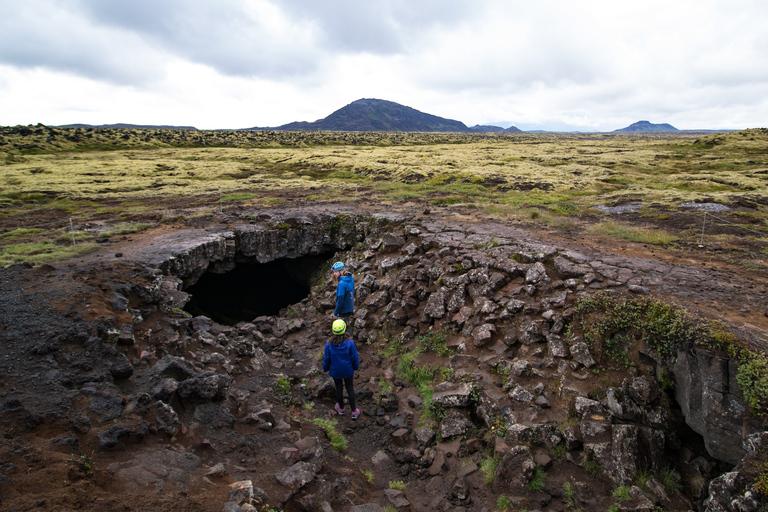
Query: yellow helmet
339, 326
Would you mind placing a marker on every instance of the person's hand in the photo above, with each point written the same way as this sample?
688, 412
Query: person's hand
333, 316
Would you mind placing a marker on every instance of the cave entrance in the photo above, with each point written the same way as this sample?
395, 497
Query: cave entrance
254, 289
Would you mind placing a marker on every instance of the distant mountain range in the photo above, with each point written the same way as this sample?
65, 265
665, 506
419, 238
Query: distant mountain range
372, 115
133, 126
645, 126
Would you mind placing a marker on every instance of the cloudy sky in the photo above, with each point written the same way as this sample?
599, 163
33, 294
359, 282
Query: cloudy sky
552, 64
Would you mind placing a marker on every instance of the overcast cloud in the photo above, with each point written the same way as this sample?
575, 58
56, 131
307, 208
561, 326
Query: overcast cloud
590, 65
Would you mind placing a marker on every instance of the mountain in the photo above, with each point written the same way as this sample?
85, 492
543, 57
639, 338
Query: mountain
645, 126
371, 115
133, 126
484, 128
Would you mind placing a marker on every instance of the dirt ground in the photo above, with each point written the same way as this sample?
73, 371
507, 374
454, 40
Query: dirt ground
49, 477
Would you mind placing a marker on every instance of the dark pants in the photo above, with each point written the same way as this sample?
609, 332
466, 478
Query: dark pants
347, 317
340, 384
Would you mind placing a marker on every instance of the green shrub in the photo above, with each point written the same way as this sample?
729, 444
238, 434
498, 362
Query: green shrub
761, 481
488, 468
537, 481
557, 453
397, 484
571, 502
283, 385
621, 493
435, 341
337, 440
670, 478
503, 503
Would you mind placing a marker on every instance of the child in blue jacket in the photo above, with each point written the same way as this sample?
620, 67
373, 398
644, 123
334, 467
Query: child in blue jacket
340, 360
345, 292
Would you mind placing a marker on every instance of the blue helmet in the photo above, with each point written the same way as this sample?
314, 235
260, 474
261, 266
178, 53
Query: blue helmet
338, 266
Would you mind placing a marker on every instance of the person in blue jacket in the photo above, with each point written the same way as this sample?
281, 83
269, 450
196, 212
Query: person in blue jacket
345, 292
340, 360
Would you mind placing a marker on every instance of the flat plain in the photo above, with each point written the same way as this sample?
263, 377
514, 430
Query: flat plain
61, 190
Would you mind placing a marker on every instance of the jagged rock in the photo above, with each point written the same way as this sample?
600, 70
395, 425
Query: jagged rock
521, 394
164, 390
120, 367
401, 436
108, 406
706, 390
448, 395
436, 303
482, 334
438, 463
389, 402
241, 492
514, 471
379, 458
595, 427
214, 415
613, 404
454, 425
572, 438
460, 488
297, 476
529, 332
583, 405
208, 386
581, 354
456, 301
640, 290
520, 367
557, 347
176, 368
397, 498
376, 300
309, 447
644, 391
638, 502
515, 306
536, 273
200, 323
568, 269
425, 436
112, 436
167, 419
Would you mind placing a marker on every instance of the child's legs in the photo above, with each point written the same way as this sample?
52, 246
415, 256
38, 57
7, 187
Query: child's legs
350, 391
339, 391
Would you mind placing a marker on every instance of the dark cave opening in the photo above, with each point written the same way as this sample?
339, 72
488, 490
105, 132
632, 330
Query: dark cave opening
254, 289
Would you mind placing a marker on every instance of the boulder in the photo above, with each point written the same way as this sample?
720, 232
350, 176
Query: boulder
297, 476
447, 395
581, 354
208, 386
514, 471
709, 396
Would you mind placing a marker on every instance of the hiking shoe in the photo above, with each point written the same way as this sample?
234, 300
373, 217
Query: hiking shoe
339, 410
355, 414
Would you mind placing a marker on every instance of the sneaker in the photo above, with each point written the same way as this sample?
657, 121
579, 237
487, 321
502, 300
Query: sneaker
355, 414
339, 410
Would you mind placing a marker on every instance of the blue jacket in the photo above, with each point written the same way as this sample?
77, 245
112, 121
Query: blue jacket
340, 360
345, 295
